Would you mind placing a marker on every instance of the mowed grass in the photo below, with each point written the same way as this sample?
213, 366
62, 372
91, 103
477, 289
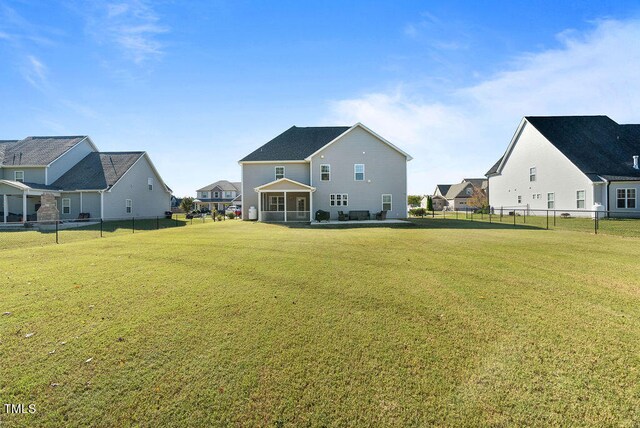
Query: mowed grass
244, 324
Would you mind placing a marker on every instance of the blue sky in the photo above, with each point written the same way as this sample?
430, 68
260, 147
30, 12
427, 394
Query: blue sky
199, 85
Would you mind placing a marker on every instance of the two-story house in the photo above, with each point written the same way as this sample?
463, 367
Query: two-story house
218, 195
337, 168
82, 180
569, 163
454, 196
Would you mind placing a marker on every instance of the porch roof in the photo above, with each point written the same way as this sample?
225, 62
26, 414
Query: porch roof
284, 185
29, 188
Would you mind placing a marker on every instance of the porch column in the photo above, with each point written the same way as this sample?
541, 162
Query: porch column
259, 206
285, 206
310, 206
5, 207
24, 207
81, 202
101, 205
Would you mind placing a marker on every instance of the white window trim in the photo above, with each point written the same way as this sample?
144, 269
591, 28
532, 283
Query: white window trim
584, 199
328, 172
390, 201
128, 206
67, 205
276, 172
534, 175
217, 195
150, 183
553, 199
277, 204
15, 176
519, 199
344, 200
355, 165
627, 198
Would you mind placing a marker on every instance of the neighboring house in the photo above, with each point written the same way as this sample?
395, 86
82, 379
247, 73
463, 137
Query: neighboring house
569, 163
82, 180
175, 204
454, 196
218, 195
333, 169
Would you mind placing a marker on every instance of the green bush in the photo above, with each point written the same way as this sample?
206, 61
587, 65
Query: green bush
231, 216
219, 217
417, 212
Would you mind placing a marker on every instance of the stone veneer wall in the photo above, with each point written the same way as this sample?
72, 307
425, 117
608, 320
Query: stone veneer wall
48, 211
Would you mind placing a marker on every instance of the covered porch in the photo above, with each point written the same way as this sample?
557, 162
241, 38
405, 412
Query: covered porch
20, 202
285, 200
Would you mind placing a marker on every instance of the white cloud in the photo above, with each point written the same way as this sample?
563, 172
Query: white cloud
594, 72
35, 72
133, 26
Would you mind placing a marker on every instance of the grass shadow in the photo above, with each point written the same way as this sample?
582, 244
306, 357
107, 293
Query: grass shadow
443, 223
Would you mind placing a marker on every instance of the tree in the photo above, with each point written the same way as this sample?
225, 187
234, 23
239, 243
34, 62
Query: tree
478, 199
414, 200
186, 204
429, 203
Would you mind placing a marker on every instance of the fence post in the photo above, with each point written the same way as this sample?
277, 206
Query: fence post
157, 222
101, 221
176, 219
514, 216
57, 221
133, 225
433, 213
595, 223
501, 212
524, 216
547, 219
554, 218
456, 213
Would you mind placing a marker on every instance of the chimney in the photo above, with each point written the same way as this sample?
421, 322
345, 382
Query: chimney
635, 162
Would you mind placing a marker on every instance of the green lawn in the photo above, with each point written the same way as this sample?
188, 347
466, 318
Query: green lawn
242, 324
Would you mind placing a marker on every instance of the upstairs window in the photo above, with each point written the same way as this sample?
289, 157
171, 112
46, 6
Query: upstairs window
551, 201
227, 195
325, 172
358, 172
279, 172
18, 176
339, 199
216, 194
128, 206
626, 198
532, 174
580, 199
150, 183
203, 194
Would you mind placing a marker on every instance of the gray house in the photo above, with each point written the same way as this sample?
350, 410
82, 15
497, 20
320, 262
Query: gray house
569, 163
82, 180
334, 169
218, 195
454, 196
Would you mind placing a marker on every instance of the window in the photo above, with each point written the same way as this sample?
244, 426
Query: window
216, 194
536, 196
358, 172
626, 198
150, 183
227, 195
66, 206
551, 201
18, 176
203, 194
519, 199
580, 199
128, 206
276, 203
325, 172
386, 202
532, 174
279, 172
339, 199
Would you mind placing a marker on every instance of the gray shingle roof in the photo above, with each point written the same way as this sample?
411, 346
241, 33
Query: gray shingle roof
37, 151
223, 185
97, 171
457, 191
444, 188
494, 168
296, 143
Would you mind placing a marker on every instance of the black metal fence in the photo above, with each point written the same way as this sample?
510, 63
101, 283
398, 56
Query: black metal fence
29, 234
612, 222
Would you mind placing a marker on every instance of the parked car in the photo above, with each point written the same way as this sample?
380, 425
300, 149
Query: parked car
233, 209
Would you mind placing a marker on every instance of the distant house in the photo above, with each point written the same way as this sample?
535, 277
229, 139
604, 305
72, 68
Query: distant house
454, 196
82, 180
569, 163
339, 168
218, 195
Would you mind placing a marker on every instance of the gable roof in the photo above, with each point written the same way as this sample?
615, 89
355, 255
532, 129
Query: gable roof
458, 190
480, 183
223, 185
596, 145
444, 188
98, 171
494, 168
37, 151
300, 144
296, 143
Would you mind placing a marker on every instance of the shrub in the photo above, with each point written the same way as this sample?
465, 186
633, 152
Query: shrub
417, 212
219, 217
231, 216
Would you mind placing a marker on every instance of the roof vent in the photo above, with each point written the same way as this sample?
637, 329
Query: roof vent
635, 162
